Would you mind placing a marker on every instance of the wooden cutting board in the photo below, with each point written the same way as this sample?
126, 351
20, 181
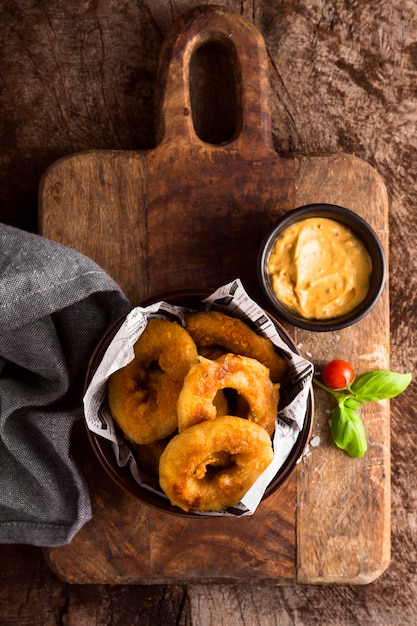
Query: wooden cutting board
192, 213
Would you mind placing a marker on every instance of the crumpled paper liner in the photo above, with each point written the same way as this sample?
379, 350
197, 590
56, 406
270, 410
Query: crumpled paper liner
294, 392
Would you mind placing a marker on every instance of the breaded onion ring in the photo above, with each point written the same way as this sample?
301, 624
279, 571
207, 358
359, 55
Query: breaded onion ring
210, 466
213, 328
142, 396
230, 371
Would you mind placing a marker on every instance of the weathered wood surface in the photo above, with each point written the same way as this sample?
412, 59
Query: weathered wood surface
81, 75
170, 215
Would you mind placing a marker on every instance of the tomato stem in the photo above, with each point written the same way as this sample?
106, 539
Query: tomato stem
335, 394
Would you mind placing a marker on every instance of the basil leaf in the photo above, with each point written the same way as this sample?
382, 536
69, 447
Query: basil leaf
348, 431
351, 402
379, 385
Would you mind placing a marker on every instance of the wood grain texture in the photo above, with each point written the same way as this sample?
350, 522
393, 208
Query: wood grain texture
352, 543
80, 75
211, 204
168, 229
191, 213
131, 543
96, 197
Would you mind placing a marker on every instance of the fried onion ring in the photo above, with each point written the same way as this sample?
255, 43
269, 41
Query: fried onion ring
213, 328
210, 466
143, 395
248, 377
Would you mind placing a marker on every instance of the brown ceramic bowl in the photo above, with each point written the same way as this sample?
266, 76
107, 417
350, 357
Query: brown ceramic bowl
361, 229
122, 476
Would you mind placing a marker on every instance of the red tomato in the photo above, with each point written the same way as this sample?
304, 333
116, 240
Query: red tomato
338, 374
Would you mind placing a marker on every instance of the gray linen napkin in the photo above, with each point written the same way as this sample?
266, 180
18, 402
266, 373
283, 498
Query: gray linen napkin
54, 305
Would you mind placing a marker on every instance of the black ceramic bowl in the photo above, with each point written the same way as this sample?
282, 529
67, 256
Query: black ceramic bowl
122, 475
361, 229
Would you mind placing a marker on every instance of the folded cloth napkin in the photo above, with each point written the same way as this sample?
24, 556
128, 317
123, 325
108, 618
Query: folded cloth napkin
55, 304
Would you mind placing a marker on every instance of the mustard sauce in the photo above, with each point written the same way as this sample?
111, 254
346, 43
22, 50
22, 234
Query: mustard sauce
319, 268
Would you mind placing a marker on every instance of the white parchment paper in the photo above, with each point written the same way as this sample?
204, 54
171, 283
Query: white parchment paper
232, 299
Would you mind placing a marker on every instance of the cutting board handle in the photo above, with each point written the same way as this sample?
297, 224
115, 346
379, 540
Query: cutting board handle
175, 116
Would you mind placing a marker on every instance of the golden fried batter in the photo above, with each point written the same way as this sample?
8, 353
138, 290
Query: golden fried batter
213, 328
211, 465
230, 371
143, 394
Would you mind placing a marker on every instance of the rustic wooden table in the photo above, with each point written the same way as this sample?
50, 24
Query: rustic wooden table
81, 76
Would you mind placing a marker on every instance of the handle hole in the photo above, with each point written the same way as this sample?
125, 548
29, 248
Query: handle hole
215, 92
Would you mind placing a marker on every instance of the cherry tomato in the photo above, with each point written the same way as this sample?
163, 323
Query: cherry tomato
338, 374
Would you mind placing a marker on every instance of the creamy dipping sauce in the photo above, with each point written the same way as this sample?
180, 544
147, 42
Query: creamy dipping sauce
319, 268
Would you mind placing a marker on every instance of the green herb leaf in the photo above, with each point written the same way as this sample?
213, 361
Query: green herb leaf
348, 431
351, 402
379, 385
347, 428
